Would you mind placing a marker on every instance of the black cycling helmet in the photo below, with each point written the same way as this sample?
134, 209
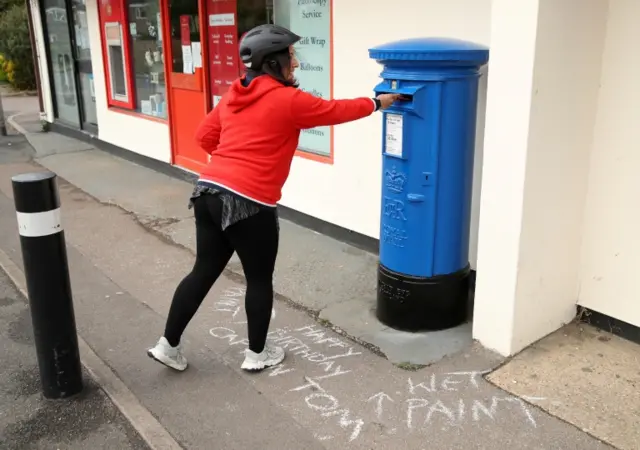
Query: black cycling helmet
262, 41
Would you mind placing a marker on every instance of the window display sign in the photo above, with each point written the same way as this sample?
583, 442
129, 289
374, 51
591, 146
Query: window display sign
223, 45
185, 40
311, 19
185, 29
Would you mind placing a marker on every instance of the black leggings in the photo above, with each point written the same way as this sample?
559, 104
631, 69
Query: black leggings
255, 239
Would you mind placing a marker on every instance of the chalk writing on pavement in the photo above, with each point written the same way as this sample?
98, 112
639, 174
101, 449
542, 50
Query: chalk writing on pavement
414, 403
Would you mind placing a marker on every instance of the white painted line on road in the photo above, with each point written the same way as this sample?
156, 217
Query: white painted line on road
149, 428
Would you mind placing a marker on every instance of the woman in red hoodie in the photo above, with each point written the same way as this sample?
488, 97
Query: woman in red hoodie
251, 135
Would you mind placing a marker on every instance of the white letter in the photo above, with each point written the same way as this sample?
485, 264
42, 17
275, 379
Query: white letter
472, 375
414, 403
431, 388
335, 373
310, 383
439, 407
346, 422
330, 407
380, 396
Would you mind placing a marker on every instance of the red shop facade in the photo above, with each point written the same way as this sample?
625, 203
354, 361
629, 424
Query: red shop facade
198, 59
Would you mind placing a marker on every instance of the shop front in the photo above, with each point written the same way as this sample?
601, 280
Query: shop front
554, 157
178, 79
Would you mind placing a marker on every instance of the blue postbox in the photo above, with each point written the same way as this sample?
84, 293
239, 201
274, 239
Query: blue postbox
428, 148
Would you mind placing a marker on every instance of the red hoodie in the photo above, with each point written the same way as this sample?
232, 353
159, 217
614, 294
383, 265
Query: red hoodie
252, 134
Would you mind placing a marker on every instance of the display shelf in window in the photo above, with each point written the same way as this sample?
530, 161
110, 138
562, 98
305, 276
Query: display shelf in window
147, 57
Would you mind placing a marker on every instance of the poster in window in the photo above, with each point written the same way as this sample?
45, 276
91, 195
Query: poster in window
223, 45
185, 30
312, 21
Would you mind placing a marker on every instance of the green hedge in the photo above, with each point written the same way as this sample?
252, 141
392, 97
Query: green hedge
15, 45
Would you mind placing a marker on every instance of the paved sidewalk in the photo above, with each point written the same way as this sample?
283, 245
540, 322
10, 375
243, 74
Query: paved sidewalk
328, 278
27, 420
331, 393
23, 105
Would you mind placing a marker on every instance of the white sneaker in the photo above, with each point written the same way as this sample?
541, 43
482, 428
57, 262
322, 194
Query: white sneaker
170, 356
269, 357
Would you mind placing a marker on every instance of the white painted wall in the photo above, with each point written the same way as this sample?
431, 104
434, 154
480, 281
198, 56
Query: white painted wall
347, 193
146, 137
542, 99
611, 246
565, 91
41, 58
514, 28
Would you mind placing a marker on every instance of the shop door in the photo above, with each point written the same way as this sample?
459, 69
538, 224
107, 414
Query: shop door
61, 62
197, 85
187, 94
82, 56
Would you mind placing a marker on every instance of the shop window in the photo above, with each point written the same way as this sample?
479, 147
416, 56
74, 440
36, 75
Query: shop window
185, 39
147, 57
309, 19
134, 57
312, 21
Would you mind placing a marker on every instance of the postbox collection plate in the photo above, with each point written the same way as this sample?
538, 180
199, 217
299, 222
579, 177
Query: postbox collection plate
394, 126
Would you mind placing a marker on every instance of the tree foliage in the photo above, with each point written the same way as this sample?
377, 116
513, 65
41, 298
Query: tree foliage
5, 5
15, 46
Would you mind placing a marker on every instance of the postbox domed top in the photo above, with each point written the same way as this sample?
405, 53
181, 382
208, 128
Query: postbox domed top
432, 49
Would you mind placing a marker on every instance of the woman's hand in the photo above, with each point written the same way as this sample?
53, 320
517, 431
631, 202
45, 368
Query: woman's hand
387, 100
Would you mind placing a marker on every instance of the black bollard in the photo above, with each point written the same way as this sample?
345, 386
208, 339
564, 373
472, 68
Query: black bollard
47, 275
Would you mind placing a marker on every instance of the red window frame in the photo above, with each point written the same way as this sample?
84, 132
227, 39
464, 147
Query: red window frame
112, 14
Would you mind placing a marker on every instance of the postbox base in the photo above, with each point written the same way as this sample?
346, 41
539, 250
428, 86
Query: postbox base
422, 304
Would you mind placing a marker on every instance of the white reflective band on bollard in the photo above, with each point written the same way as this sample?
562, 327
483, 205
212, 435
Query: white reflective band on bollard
39, 224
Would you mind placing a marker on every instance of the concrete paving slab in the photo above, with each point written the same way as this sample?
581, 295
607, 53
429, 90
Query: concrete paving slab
423, 348
19, 105
593, 377
330, 393
358, 318
15, 149
25, 120
28, 123
54, 143
153, 197
27, 420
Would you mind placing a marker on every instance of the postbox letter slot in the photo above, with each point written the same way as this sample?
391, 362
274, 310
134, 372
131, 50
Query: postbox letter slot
407, 99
